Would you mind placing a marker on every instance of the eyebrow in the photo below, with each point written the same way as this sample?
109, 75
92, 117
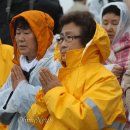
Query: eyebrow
114, 20
66, 33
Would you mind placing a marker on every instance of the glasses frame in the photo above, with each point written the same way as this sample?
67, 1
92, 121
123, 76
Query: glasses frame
67, 38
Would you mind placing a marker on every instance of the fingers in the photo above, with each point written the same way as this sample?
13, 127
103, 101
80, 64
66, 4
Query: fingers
42, 78
117, 70
18, 72
13, 76
45, 78
13, 73
118, 67
46, 75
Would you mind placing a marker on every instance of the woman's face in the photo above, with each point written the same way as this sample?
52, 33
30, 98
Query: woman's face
70, 39
26, 43
110, 22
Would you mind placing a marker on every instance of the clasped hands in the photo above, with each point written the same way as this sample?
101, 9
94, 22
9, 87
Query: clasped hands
47, 79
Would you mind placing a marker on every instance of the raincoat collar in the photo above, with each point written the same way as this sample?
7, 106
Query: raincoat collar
96, 51
73, 58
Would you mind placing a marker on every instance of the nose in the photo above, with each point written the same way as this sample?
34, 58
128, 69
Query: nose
109, 28
20, 37
63, 44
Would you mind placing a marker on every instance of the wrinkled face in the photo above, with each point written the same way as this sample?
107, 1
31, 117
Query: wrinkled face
69, 39
26, 43
110, 22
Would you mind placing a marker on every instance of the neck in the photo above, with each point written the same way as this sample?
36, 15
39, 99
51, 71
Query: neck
29, 59
83, 2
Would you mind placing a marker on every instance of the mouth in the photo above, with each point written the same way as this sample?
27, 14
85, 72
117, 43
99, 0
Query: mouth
22, 47
63, 53
110, 35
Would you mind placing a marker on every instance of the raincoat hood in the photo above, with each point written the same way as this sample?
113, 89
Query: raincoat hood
97, 50
98, 47
42, 26
124, 23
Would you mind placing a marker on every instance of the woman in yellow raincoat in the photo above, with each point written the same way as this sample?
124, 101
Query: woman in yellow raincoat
85, 95
6, 56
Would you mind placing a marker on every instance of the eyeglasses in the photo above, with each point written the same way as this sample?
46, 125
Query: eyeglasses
67, 38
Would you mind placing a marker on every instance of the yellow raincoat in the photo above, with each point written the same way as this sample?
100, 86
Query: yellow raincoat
6, 56
90, 97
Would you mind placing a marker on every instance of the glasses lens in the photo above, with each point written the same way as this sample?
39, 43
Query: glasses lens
69, 38
59, 39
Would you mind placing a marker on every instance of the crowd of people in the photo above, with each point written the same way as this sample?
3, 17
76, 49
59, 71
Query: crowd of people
65, 71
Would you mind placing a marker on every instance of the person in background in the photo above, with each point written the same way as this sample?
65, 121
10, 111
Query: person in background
115, 20
79, 5
6, 57
95, 6
84, 95
127, 81
32, 35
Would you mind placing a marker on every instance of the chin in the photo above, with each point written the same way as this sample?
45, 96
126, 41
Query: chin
23, 52
63, 58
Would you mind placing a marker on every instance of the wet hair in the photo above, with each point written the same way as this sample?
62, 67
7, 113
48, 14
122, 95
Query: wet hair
21, 23
84, 20
111, 9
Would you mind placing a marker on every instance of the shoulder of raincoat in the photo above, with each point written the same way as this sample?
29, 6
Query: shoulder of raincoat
90, 97
15, 104
6, 57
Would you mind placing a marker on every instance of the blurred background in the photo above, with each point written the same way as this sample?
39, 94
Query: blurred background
66, 4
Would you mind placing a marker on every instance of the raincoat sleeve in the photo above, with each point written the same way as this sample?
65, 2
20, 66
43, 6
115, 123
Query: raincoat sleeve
92, 110
5, 95
22, 98
17, 102
38, 113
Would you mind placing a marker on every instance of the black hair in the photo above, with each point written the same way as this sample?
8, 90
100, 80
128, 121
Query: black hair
84, 20
111, 9
21, 23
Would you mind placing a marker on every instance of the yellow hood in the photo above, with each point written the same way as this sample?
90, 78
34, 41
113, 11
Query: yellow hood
42, 26
97, 50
